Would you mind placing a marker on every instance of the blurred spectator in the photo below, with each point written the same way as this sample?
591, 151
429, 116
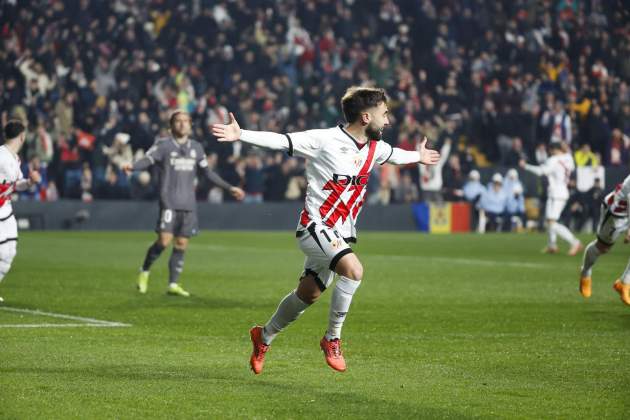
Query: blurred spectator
453, 179
431, 176
515, 154
473, 190
406, 191
585, 157
492, 205
254, 177
515, 209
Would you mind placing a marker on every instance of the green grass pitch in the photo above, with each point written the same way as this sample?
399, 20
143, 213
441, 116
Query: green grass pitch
457, 326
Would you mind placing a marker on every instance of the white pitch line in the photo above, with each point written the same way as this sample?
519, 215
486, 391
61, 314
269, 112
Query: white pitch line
91, 322
61, 325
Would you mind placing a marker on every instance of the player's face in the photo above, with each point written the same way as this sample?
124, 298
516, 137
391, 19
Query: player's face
379, 119
181, 126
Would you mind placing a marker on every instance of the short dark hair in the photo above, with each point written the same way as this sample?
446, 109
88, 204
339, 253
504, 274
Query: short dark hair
358, 98
13, 128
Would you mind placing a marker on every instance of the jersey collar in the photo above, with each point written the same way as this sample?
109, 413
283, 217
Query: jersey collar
179, 145
359, 145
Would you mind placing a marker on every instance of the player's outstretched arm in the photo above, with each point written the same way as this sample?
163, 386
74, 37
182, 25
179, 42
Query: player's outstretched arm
33, 178
423, 155
537, 170
232, 132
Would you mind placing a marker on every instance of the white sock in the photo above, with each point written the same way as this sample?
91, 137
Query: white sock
565, 233
339, 305
289, 309
553, 237
591, 253
625, 277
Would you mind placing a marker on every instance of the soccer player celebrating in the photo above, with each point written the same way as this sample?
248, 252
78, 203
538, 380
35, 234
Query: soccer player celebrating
339, 161
558, 168
11, 180
177, 158
614, 220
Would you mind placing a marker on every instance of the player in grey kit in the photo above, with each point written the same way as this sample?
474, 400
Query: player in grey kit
177, 158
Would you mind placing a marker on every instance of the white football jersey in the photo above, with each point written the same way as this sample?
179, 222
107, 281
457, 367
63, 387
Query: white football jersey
617, 200
10, 173
558, 169
337, 173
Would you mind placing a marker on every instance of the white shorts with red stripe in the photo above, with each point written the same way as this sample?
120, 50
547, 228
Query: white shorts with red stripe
611, 226
323, 247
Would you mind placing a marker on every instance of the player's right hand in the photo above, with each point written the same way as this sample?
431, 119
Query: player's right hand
237, 193
227, 132
626, 240
34, 177
127, 168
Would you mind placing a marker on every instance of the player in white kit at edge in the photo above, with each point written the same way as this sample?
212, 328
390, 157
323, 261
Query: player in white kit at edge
339, 161
613, 222
11, 180
558, 168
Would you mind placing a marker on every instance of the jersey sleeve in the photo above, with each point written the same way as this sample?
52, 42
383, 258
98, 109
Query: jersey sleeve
383, 152
156, 153
304, 144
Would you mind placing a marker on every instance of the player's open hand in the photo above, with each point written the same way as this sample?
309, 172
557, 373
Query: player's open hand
227, 132
428, 156
34, 177
237, 193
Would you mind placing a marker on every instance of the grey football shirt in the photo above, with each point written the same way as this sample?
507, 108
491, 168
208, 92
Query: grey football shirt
177, 167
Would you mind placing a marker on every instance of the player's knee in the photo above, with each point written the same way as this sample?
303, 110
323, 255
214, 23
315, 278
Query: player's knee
163, 242
308, 291
355, 271
181, 243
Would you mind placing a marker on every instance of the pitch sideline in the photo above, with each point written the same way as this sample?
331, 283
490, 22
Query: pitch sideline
85, 322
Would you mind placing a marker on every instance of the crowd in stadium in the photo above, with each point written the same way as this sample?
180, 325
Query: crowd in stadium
489, 83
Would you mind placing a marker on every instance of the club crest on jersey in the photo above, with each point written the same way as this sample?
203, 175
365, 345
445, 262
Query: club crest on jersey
193, 154
360, 180
358, 161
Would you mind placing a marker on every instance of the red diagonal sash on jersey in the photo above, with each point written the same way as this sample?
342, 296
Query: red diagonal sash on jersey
5, 192
342, 210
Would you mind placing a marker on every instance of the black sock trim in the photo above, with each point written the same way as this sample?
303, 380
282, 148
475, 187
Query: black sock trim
604, 242
336, 258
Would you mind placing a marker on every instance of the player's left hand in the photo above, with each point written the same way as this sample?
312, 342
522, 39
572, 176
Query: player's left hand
34, 177
428, 156
237, 193
626, 240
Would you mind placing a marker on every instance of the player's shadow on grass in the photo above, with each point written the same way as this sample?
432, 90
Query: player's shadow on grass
324, 398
